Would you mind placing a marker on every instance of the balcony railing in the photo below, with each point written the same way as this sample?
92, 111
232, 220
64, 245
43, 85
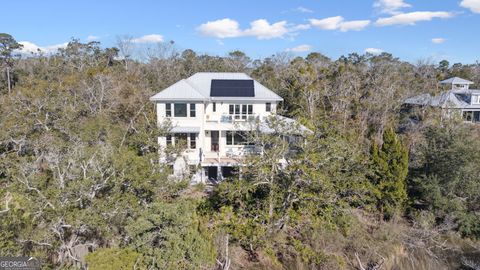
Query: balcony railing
232, 118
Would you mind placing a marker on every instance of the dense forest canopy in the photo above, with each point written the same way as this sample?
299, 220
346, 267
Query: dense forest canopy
81, 185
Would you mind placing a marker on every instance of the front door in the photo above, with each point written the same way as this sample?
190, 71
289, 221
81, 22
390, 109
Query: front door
215, 139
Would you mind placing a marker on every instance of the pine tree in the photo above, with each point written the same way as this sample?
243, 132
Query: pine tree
390, 169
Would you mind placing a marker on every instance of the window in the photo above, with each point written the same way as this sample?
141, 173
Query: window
214, 106
169, 139
268, 107
240, 111
180, 110
467, 116
168, 109
193, 141
229, 138
475, 99
193, 112
181, 140
237, 111
237, 138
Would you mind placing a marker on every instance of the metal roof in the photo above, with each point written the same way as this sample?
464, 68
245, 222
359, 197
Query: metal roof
178, 91
452, 99
197, 87
456, 80
283, 125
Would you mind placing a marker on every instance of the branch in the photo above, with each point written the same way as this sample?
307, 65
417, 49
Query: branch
35, 242
359, 262
8, 198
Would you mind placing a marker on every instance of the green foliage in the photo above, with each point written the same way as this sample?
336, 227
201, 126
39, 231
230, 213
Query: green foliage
447, 182
172, 236
390, 169
79, 165
112, 259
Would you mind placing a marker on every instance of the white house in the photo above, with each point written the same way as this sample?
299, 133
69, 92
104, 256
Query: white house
211, 113
458, 100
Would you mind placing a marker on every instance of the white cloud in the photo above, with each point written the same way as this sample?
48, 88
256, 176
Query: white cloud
299, 27
390, 6
300, 48
413, 17
30, 47
261, 29
354, 25
438, 40
153, 38
331, 23
375, 51
339, 23
92, 38
473, 5
303, 10
224, 28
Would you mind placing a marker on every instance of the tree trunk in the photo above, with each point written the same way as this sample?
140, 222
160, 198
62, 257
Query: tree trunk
8, 80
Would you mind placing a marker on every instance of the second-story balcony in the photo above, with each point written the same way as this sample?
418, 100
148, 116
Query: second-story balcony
229, 118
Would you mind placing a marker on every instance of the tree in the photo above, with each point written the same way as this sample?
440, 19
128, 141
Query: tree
237, 61
172, 236
125, 46
390, 169
446, 183
112, 259
7, 45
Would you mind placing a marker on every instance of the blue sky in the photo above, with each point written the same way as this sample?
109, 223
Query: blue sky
410, 29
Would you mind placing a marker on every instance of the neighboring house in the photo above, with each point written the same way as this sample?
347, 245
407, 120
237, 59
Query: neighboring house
211, 114
458, 100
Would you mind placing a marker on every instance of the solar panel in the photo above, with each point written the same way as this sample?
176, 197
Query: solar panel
232, 88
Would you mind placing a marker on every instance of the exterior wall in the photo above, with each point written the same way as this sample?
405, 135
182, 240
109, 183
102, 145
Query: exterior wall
206, 120
181, 121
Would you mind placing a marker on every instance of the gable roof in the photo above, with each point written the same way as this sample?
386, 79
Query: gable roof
198, 87
456, 80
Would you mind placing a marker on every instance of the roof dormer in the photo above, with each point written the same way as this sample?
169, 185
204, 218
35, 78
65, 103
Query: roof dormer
457, 83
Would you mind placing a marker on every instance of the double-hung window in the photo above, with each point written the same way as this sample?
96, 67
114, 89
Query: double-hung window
237, 111
168, 109
268, 107
193, 140
193, 112
229, 137
244, 112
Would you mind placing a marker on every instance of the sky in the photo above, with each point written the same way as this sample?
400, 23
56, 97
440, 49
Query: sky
413, 30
